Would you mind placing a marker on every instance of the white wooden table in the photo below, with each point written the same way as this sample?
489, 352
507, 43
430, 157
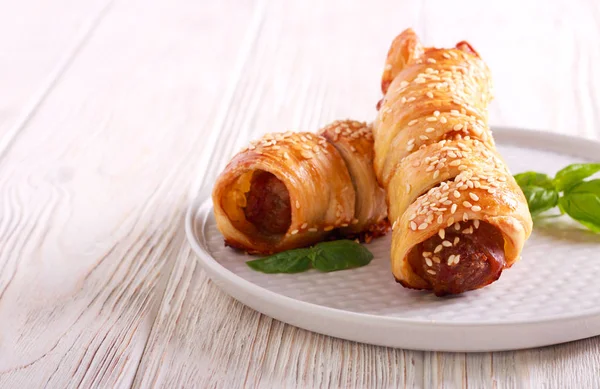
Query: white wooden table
113, 114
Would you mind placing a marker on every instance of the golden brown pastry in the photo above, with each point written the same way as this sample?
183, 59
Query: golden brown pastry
295, 189
354, 141
459, 218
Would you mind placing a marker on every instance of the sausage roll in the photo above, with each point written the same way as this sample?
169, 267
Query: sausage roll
459, 218
296, 189
354, 141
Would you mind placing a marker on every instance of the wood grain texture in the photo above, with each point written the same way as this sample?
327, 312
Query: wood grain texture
37, 45
143, 105
93, 192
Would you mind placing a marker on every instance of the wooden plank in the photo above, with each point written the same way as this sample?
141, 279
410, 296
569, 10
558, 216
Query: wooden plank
93, 191
38, 41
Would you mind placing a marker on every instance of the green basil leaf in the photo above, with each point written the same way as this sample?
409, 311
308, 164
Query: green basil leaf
534, 179
573, 174
540, 199
291, 261
340, 255
582, 203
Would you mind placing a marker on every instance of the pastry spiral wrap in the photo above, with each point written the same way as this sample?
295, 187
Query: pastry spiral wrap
292, 190
354, 142
459, 218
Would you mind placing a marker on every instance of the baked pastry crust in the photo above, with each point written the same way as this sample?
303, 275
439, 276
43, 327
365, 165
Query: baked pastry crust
330, 182
435, 154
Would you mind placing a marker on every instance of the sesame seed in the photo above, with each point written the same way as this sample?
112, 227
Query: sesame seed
411, 99
436, 259
411, 141
328, 228
456, 240
422, 226
426, 254
440, 219
294, 232
456, 194
456, 259
442, 233
403, 100
465, 217
423, 137
430, 168
413, 226
394, 224
307, 147
429, 129
297, 204
414, 215
462, 167
443, 120
430, 94
436, 113
428, 262
352, 148
450, 222
446, 55
457, 226
453, 208
251, 147
410, 147
404, 84
438, 248
431, 272
467, 204
408, 188
313, 229
431, 119
450, 259
431, 60
476, 223
306, 154
476, 208
456, 162
446, 243
457, 127
473, 196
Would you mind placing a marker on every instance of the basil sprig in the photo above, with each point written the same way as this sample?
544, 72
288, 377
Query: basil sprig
580, 199
326, 257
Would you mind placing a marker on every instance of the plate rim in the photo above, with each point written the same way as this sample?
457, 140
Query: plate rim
543, 140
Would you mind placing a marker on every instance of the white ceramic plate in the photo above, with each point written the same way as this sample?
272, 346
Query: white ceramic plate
549, 297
